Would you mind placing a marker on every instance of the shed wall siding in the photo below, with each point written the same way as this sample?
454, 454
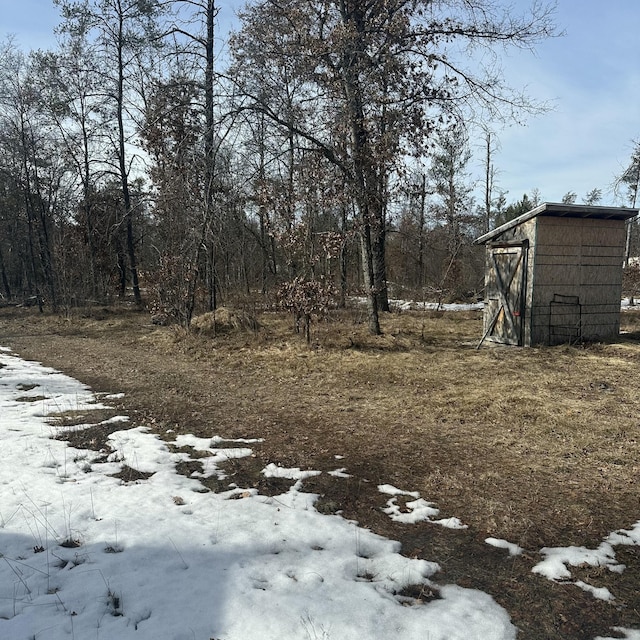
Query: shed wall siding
581, 258
525, 232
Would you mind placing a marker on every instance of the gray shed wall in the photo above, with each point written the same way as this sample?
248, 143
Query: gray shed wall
582, 258
568, 259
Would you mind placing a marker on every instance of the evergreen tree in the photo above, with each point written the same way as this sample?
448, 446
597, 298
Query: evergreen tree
515, 209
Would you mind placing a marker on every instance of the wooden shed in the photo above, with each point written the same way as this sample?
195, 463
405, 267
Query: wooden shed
554, 275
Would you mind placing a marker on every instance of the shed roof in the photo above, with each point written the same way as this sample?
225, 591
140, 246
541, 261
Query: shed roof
562, 210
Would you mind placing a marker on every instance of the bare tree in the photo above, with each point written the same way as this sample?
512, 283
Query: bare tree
122, 30
454, 201
195, 21
629, 183
73, 101
374, 78
32, 168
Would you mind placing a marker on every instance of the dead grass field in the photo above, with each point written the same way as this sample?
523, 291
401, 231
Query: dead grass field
538, 446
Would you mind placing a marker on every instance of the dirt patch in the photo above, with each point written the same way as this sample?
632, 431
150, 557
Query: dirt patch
536, 446
81, 417
88, 429
26, 387
129, 474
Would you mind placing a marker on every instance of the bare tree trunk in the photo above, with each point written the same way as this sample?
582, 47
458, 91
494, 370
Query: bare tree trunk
488, 186
364, 178
31, 225
209, 146
627, 243
343, 261
213, 282
421, 238
5, 280
87, 211
122, 271
122, 167
631, 224
378, 244
41, 218
373, 321
264, 254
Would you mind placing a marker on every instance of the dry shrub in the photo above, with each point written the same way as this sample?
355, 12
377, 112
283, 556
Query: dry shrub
224, 320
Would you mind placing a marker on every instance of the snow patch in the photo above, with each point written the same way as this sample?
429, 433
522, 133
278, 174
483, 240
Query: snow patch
274, 471
413, 511
512, 548
339, 473
393, 491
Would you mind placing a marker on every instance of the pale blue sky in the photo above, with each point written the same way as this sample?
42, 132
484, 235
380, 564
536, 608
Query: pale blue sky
592, 76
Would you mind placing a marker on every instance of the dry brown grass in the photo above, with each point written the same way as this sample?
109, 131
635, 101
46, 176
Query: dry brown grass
538, 446
224, 320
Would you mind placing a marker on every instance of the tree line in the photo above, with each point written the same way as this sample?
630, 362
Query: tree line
323, 151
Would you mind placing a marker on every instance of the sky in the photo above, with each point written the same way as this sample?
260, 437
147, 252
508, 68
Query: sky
84, 554
590, 76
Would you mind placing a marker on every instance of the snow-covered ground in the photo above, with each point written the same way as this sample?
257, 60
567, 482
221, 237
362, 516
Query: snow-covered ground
412, 305
85, 556
626, 304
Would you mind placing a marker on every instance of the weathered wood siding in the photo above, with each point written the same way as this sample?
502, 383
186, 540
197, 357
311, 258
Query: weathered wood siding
523, 233
577, 258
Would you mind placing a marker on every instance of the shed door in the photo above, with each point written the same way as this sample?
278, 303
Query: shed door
506, 282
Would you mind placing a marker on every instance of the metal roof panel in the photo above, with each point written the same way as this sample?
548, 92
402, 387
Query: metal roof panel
561, 210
